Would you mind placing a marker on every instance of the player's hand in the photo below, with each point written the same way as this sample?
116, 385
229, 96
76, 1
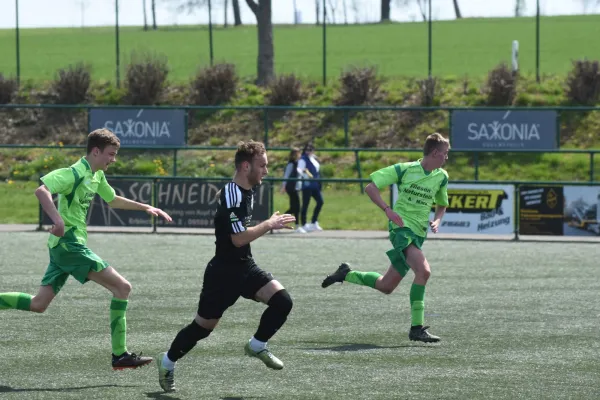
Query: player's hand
434, 225
281, 221
282, 190
58, 229
394, 217
157, 212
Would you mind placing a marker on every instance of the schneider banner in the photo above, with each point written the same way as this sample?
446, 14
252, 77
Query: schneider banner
191, 204
504, 130
477, 208
141, 127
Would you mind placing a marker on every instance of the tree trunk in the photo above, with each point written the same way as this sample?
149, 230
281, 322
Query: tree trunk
318, 14
457, 9
385, 10
266, 53
237, 17
154, 14
225, 12
145, 16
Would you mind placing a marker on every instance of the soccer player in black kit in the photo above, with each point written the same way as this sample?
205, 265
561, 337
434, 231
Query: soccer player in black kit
233, 272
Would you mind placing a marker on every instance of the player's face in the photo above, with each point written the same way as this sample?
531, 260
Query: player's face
104, 158
258, 169
441, 155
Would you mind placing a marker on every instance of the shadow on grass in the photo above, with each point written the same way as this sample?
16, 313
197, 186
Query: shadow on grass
364, 346
8, 389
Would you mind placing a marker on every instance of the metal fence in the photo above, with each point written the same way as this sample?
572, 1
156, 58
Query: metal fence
345, 123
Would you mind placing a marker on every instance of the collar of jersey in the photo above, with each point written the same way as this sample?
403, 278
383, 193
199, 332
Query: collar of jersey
86, 163
421, 165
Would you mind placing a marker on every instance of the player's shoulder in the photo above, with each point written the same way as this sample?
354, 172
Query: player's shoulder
231, 195
444, 172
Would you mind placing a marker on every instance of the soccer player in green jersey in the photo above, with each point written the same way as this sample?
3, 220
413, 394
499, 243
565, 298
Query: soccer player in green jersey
76, 186
421, 184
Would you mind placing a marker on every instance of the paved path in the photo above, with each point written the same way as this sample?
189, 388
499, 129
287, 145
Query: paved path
324, 234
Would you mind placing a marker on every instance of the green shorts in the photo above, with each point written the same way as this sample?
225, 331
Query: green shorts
71, 259
401, 238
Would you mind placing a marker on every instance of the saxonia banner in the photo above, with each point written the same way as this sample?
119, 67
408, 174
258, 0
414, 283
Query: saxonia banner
191, 204
141, 127
477, 208
541, 210
504, 130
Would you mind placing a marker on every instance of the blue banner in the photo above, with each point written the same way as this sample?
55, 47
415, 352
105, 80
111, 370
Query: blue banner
504, 130
141, 127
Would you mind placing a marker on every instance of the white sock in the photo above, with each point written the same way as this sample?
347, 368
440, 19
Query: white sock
257, 345
167, 363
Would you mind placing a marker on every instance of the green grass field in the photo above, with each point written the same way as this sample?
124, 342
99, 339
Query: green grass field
517, 320
466, 47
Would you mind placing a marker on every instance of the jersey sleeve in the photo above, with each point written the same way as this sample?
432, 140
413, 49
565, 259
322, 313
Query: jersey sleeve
441, 197
105, 190
59, 181
388, 175
231, 201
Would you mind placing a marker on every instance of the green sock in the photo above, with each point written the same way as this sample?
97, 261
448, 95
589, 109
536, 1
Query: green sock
118, 326
362, 278
15, 300
417, 304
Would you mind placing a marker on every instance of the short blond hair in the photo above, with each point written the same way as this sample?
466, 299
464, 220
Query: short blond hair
246, 152
433, 142
101, 138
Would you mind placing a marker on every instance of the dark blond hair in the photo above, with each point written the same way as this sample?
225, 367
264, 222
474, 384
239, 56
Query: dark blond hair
101, 138
294, 153
435, 141
246, 152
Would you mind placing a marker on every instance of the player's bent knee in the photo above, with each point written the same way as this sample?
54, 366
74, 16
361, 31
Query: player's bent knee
123, 290
198, 332
386, 289
281, 301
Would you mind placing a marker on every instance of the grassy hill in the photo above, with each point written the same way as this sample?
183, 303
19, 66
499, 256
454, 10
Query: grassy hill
464, 47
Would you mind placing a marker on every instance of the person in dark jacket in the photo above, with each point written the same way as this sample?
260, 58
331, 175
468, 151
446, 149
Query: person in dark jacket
311, 187
292, 187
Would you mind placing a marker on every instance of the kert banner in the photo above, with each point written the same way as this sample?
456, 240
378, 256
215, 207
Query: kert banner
504, 130
191, 204
541, 210
582, 206
143, 126
476, 208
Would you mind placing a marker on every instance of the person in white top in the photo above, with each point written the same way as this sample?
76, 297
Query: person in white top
292, 187
311, 187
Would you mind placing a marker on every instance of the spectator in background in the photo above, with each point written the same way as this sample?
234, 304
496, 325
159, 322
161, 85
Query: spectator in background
311, 187
292, 187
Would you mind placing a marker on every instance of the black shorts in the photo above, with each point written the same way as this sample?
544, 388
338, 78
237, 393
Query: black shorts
224, 284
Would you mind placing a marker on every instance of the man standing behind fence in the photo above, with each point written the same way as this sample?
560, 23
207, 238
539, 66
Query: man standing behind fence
421, 184
76, 187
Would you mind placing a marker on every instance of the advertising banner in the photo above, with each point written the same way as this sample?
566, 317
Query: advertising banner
504, 130
581, 206
191, 204
141, 127
541, 210
477, 208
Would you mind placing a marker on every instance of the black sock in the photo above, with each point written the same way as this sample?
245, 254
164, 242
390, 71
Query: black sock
274, 316
186, 339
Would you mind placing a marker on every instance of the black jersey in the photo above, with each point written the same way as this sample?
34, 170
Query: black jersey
234, 213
